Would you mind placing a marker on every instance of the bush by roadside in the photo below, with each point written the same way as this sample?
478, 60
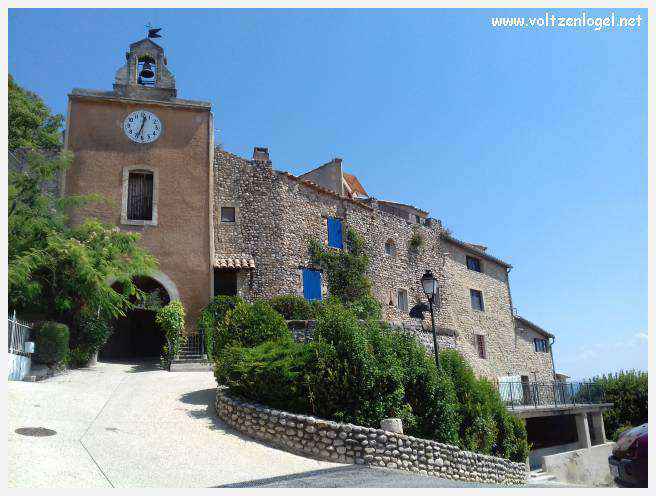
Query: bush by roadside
51, 342
363, 372
627, 390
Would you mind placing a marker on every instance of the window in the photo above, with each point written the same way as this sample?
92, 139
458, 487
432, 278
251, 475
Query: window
225, 282
417, 219
227, 214
311, 284
390, 247
480, 345
402, 300
140, 195
474, 264
476, 299
541, 345
335, 238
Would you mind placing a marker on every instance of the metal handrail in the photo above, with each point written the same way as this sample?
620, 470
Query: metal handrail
18, 333
553, 393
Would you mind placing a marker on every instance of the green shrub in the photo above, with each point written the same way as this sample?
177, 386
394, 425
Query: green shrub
276, 373
416, 242
366, 307
212, 318
293, 307
171, 319
627, 390
51, 342
249, 325
78, 357
362, 372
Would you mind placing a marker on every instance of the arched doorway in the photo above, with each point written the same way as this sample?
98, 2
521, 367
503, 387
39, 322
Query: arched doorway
137, 336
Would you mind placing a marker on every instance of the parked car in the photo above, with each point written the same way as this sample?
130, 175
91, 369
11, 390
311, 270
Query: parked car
628, 463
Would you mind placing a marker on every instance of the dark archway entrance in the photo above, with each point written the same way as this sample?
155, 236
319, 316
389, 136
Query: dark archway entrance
137, 336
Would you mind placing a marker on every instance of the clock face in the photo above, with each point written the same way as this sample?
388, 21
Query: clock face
142, 126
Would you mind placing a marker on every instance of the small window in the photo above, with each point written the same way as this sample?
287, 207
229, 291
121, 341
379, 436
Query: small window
474, 264
417, 219
476, 299
335, 233
480, 344
541, 345
390, 248
402, 300
227, 214
140, 195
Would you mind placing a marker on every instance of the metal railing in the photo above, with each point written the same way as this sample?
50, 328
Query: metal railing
544, 394
194, 345
18, 334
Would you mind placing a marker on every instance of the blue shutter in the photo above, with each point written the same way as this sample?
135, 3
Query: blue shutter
311, 284
335, 232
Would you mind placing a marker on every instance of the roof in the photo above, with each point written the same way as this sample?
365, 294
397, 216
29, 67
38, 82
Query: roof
112, 96
354, 184
472, 249
403, 205
533, 326
223, 262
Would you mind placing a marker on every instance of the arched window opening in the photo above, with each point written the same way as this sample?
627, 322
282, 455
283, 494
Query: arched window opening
147, 71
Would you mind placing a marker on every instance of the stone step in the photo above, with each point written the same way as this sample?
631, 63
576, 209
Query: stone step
540, 476
190, 366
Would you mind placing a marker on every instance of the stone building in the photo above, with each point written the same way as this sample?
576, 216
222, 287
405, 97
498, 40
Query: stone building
223, 224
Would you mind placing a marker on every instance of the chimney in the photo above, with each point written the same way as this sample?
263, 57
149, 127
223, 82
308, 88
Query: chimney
260, 154
337, 161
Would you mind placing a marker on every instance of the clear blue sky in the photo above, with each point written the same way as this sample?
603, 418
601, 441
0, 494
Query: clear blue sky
533, 142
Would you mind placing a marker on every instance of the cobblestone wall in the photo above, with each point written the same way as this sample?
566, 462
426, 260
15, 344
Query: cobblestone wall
347, 443
276, 216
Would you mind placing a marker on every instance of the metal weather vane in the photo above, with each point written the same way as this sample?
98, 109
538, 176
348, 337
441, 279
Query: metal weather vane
153, 32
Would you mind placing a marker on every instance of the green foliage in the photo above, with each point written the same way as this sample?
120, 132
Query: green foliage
249, 325
485, 424
627, 390
31, 123
293, 307
212, 319
88, 336
416, 242
276, 373
364, 372
346, 274
51, 342
171, 319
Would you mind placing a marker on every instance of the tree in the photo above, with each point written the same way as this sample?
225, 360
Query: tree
627, 390
31, 125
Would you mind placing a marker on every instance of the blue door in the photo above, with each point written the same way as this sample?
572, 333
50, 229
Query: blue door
311, 284
335, 232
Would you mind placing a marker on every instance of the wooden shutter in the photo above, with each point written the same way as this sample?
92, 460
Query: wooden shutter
335, 233
311, 284
140, 196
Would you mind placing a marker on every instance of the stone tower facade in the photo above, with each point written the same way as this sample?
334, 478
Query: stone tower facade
139, 138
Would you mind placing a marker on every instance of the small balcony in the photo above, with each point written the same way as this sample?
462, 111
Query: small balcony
555, 394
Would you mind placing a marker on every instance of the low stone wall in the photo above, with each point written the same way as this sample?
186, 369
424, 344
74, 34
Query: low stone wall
347, 443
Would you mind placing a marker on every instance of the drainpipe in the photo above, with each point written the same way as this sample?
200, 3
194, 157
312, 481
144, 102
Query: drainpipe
553, 366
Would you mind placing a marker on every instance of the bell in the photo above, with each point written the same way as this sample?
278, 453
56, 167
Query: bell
146, 71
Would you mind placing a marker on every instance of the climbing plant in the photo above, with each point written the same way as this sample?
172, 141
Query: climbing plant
346, 274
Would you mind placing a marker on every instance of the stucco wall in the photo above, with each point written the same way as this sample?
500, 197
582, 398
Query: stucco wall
588, 466
181, 157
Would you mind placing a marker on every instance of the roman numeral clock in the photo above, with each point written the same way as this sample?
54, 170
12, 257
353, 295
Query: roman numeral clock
142, 126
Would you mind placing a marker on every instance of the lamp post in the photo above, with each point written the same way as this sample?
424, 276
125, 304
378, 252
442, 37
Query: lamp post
431, 290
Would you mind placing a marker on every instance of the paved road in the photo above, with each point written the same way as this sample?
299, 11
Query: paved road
121, 425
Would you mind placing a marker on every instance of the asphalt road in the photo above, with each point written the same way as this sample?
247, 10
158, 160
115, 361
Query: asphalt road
356, 476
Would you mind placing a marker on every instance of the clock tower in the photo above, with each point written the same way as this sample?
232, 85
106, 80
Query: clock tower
150, 154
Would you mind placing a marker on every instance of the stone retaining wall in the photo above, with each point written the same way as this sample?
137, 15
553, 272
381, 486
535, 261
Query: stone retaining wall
347, 443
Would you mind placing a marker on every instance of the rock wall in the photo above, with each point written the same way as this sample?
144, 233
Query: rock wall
347, 443
277, 214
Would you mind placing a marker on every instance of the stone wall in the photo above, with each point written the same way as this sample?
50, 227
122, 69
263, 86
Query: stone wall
347, 443
277, 214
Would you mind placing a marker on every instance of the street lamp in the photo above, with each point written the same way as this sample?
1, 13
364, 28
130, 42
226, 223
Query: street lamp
431, 290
